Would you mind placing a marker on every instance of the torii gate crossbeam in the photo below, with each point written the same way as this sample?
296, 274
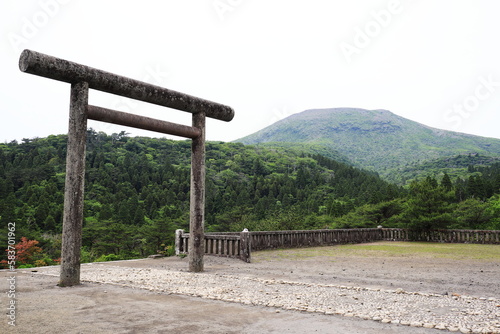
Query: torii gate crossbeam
82, 78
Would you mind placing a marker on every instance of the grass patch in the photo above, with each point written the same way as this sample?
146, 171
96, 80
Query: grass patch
387, 249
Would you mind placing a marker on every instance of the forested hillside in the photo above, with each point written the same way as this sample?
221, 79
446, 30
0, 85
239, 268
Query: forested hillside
373, 139
460, 166
137, 194
437, 203
137, 191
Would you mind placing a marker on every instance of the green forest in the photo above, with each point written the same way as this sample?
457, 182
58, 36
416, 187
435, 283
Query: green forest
137, 194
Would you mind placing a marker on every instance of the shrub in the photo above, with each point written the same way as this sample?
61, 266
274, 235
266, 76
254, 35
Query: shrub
109, 257
167, 250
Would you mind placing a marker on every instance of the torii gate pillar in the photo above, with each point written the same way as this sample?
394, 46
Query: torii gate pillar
82, 78
197, 201
74, 186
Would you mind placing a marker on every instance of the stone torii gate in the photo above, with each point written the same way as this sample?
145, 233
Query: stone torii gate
82, 78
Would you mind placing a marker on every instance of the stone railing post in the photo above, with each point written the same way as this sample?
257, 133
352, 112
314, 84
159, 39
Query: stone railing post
245, 246
178, 241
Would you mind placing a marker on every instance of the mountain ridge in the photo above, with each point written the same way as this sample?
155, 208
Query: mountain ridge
373, 139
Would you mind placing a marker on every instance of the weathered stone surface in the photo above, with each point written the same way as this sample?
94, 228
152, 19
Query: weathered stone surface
410, 308
156, 256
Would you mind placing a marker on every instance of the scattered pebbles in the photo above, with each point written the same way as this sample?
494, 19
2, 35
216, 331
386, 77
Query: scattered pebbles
454, 313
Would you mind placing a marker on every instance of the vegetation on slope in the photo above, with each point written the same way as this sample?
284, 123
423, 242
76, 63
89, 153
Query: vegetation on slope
137, 191
137, 194
373, 139
473, 203
460, 166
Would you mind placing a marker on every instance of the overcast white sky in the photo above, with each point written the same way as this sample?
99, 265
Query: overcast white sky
434, 62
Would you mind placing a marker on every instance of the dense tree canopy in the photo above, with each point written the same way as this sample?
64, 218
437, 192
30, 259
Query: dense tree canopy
137, 190
465, 204
137, 193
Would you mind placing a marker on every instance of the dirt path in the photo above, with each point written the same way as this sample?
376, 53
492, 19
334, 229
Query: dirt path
317, 265
98, 308
42, 307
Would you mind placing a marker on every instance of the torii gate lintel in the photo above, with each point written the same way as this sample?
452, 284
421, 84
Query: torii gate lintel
82, 78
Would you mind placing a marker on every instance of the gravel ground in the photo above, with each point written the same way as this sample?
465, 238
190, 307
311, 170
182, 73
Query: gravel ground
340, 295
452, 312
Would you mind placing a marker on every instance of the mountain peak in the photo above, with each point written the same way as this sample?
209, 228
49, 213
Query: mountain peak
374, 139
